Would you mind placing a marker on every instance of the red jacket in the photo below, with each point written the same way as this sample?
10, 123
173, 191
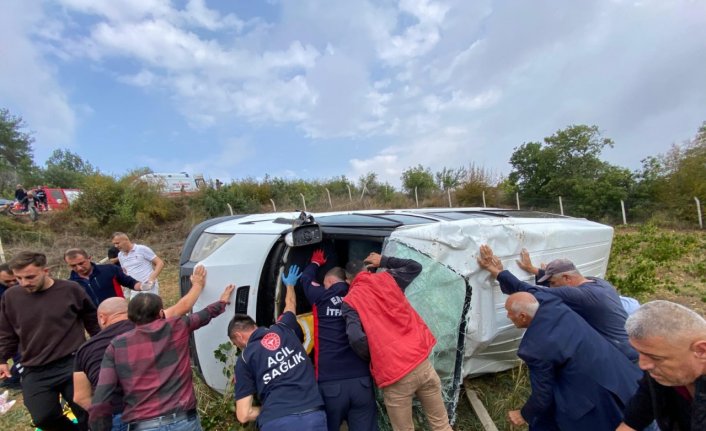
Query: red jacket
398, 338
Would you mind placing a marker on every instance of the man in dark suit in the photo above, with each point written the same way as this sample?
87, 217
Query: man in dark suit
580, 381
592, 298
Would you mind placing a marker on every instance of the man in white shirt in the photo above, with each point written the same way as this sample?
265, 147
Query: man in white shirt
139, 262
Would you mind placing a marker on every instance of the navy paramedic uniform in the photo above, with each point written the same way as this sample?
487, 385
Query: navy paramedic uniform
344, 378
275, 366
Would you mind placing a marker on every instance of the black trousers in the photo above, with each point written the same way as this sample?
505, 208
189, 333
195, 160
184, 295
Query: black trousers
41, 387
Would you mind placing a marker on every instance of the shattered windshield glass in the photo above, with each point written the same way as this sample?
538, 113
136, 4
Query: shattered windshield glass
441, 298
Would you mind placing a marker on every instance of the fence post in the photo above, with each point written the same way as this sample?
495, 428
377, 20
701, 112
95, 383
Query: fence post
350, 196
448, 193
329, 198
561, 206
517, 198
274, 207
416, 199
622, 207
484, 199
303, 201
230, 208
698, 212
2, 252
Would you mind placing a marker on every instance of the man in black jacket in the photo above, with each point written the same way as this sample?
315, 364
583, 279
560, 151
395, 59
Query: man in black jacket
100, 281
671, 341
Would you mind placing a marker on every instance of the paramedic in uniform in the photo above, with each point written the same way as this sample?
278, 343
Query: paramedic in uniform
382, 326
344, 378
274, 365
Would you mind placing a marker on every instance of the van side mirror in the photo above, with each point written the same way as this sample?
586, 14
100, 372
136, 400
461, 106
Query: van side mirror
303, 235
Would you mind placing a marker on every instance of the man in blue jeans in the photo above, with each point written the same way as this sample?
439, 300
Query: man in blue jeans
274, 365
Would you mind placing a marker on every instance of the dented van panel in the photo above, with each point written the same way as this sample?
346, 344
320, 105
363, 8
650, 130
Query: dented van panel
490, 339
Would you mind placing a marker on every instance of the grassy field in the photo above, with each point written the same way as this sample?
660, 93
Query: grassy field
646, 262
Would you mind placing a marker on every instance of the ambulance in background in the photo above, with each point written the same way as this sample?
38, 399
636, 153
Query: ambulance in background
175, 183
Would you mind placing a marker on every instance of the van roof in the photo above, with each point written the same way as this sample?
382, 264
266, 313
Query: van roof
383, 219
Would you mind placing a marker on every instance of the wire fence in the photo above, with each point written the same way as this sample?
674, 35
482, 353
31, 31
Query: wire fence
682, 213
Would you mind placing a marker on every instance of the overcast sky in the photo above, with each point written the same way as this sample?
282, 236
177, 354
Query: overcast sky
316, 89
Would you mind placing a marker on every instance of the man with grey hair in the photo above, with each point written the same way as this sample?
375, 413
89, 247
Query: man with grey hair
580, 381
671, 341
594, 299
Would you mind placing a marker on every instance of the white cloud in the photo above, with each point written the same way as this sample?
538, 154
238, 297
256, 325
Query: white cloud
123, 10
431, 82
28, 83
417, 39
198, 13
446, 146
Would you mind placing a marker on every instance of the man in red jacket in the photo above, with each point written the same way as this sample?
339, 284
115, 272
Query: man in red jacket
396, 340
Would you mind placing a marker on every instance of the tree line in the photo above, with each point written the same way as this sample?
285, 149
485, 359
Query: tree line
567, 164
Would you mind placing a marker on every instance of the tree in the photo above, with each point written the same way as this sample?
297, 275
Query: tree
15, 151
369, 183
685, 176
419, 178
67, 169
450, 178
567, 164
477, 181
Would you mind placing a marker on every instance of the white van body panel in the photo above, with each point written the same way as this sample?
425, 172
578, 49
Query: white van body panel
491, 339
235, 263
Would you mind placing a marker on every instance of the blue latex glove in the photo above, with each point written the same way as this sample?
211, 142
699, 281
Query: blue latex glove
292, 277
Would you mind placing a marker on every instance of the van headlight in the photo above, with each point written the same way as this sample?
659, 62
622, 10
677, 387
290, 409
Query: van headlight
207, 244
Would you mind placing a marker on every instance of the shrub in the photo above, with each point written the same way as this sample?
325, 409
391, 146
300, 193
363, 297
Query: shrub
107, 205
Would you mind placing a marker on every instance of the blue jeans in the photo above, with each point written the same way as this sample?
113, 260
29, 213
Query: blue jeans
310, 421
118, 424
192, 424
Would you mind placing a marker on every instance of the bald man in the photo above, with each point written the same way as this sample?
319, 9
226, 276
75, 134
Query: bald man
580, 381
592, 298
671, 341
112, 318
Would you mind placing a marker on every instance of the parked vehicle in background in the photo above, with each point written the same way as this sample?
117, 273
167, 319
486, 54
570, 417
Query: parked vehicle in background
175, 183
460, 304
60, 199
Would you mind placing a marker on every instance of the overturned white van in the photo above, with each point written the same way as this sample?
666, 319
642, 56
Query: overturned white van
463, 307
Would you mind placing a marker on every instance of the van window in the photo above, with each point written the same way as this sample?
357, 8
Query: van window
352, 220
459, 215
407, 219
441, 298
